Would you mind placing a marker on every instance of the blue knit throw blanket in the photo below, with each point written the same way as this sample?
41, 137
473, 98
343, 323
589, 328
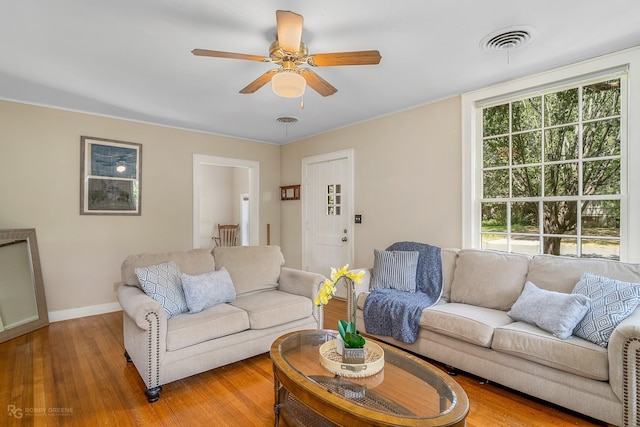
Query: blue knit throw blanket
395, 313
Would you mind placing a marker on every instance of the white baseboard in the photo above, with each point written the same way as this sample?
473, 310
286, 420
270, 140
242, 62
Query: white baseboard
92, 310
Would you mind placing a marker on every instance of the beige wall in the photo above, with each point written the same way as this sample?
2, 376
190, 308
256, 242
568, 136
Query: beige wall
407, 180
407, 187
81, 254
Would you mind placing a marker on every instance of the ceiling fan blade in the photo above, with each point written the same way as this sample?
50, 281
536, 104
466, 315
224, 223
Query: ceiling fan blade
317, 83
289, 30
230, 55
259, 82
363, 57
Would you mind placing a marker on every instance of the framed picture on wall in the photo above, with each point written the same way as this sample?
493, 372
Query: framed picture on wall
110, 177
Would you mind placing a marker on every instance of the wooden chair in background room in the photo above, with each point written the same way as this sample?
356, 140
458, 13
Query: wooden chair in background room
227, 235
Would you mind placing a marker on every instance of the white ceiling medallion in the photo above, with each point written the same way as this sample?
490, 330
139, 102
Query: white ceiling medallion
507, 39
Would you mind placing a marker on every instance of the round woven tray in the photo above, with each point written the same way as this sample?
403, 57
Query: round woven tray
332, 361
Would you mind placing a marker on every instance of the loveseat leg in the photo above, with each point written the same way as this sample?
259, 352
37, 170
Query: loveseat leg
451, 370
153, 394
126, 356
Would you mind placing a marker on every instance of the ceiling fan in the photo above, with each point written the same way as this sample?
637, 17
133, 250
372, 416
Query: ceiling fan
289, 53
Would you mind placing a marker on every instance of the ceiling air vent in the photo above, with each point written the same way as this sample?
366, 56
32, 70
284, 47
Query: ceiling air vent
507, 39
287, 120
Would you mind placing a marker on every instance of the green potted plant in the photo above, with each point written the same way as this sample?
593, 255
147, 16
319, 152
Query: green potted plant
353, 351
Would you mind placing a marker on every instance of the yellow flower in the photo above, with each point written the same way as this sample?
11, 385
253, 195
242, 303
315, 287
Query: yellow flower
337, 274
328, 288
356, 277
323, 296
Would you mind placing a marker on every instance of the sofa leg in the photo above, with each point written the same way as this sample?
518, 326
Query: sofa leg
451, 370
126, 356
153, 394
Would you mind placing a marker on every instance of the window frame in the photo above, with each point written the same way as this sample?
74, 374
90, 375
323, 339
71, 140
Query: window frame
626, 62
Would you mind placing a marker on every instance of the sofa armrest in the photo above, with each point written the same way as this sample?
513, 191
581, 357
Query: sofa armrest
303, 283
138, 305
624, 366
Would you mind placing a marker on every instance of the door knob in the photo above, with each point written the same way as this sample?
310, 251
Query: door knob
344, 239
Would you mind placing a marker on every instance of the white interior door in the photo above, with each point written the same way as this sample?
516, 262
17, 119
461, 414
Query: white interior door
327, 213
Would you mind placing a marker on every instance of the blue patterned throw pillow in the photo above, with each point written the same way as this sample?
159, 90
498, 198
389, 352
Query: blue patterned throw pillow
612, 301
162, 283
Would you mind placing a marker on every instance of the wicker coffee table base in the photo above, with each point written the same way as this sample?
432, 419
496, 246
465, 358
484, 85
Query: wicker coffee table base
300, 415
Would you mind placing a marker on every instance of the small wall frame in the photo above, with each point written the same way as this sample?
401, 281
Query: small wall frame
110, 177
290, 192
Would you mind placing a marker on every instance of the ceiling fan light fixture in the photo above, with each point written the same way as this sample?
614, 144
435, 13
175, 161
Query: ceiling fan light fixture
288, 84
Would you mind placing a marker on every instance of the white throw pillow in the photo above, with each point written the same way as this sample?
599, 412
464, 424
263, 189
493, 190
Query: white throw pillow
208, 289
555, 312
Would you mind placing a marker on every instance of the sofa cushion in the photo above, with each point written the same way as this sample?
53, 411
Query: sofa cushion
221, 320
561, 274
554, 312
574, 355
207, 289
196, 261
273, 308
612, 301
394, 270
489, 279
252, 268
163, 284
468, 323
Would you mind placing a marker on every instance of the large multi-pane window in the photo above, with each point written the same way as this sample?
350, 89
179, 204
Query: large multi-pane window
552, 178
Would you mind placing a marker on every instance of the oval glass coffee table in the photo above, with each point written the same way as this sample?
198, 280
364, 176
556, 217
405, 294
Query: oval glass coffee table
407, 392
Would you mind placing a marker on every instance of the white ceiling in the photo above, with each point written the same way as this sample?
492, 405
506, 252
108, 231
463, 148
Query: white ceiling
132, 59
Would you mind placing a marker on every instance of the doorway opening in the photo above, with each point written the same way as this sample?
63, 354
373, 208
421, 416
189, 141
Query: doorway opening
218, 184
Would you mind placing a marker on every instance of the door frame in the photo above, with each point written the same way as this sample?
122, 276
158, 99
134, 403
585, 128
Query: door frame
200, 160
347, 154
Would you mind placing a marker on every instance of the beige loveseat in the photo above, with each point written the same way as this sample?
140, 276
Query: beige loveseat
270, 300
470, 329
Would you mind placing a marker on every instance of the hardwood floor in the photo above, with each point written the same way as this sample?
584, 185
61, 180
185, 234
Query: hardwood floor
73, 373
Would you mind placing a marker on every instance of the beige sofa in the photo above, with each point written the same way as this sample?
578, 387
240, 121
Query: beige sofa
469, 329
271, 300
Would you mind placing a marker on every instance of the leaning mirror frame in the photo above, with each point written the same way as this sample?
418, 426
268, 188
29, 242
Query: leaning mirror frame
28, 235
